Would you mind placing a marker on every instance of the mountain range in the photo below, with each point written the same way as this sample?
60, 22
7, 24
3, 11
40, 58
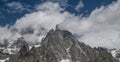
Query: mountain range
57, 46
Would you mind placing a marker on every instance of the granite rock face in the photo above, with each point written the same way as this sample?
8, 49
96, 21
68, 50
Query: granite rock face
58, 45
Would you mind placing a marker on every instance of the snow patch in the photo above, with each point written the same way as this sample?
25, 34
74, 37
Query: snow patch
65, 60
11, 50
37, 45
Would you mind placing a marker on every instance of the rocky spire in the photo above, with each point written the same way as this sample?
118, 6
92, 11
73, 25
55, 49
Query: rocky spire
24, 50
57, 27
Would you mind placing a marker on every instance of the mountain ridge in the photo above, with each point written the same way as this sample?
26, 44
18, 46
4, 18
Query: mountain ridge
59, 45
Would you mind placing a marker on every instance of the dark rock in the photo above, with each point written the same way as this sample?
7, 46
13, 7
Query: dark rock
4, 44
4, 55
24, 50
19, 43
27, 30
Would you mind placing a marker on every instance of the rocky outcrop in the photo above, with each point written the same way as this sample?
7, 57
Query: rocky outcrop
59, 45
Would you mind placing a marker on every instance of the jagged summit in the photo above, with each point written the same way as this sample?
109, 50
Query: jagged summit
57, 33
57, 27
61, 45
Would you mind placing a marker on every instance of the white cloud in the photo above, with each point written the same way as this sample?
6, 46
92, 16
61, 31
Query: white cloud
101, 28
104, 30
5, 33
79, 6
15, 7
48, 15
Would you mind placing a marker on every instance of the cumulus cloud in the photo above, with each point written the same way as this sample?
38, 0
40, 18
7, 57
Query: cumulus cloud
48, 15
79, 6
101, 28
6, 34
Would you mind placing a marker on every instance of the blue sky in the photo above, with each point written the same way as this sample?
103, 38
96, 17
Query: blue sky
95, 22
11, 10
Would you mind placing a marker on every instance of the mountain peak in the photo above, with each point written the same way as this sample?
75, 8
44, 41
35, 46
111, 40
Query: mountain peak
59, 45
57, 27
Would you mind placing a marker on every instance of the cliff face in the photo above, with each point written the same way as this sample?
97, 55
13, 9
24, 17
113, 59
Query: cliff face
60, 45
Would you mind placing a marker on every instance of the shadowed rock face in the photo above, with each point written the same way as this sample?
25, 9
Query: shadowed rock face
61, 44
